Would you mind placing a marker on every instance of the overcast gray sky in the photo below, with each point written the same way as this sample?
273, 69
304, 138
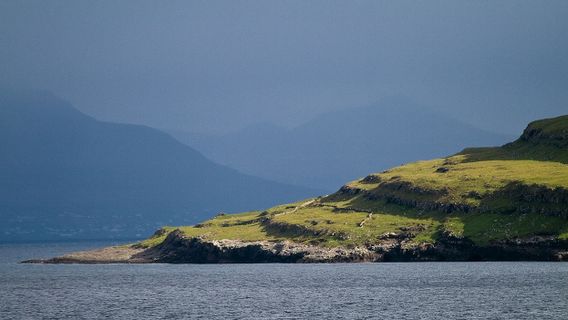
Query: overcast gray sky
216, 66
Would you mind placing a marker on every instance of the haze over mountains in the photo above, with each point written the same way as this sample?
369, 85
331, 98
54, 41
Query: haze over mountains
65, 174
342, 145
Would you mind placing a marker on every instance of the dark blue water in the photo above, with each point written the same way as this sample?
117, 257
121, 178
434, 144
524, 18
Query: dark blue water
277, 291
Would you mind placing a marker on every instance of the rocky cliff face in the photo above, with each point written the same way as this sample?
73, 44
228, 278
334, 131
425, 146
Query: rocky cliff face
521, 198
532, 199
550, 132
391, 247
180, 249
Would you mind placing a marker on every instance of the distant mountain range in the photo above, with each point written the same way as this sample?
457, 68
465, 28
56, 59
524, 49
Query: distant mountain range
342, 145
67, 175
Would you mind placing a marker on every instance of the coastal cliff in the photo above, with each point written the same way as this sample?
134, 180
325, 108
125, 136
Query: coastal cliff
482, 204
178, 248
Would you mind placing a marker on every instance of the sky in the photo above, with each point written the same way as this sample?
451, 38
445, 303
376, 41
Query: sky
218, 66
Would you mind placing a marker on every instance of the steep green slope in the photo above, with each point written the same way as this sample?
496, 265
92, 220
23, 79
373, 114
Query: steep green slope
509, 202
544, 140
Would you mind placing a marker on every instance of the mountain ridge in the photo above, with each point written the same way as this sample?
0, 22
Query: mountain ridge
341, 145
68, 175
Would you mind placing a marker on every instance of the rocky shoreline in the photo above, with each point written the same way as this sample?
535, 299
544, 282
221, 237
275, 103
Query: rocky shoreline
177, 248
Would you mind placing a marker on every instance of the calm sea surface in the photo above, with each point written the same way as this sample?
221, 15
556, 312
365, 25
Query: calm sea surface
277, 291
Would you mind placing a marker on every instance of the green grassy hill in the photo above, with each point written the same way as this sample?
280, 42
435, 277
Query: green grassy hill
486, 197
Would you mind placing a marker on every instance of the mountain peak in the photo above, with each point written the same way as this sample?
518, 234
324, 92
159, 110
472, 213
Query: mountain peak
37, 106
62, 170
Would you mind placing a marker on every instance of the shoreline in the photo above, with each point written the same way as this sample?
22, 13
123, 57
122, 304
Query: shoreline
178, 249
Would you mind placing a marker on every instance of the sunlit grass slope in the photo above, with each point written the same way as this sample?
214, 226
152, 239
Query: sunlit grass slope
485, 195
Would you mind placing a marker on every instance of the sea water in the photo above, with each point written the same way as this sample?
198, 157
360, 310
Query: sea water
470, 290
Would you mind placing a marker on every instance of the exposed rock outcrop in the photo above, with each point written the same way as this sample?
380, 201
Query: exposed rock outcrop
178, 248
521, 197
533, 199
538, 134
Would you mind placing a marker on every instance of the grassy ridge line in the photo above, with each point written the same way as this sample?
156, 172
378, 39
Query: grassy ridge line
543, 140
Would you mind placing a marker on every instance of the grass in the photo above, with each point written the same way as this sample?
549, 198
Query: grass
467, 182
543, 140
317, 224
480, 176
518, 150
327, 225
474, 177
487, 227
550, 126
242, 226
344, 228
